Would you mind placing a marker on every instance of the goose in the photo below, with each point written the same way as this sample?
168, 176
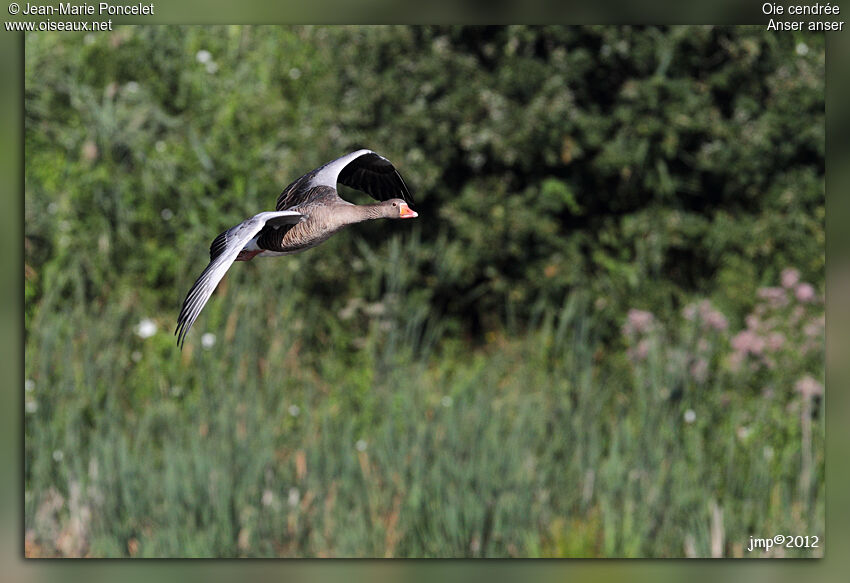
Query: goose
308, 211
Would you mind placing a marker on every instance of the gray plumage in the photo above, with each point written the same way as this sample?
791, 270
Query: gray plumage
308, 212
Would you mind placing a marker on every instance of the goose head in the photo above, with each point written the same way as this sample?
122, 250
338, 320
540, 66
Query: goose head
396, 208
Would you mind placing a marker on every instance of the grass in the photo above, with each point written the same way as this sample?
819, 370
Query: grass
362, 434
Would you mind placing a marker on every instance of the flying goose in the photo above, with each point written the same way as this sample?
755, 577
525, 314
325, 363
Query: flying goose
308, 211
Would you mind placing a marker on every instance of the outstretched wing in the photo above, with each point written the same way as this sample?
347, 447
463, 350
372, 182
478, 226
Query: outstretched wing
364, 170
223, 253
376, 176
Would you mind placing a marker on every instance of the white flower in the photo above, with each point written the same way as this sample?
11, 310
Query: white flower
146, 328
294, 497
360, 445
268, 497
203, 56
376, 309
58, 455
167, 214
446, 401
29, 385
690, 416
208, 340
212, 67
131, 87
802, 49
160, 146
294, 73
136, 356
294, 410
31, 406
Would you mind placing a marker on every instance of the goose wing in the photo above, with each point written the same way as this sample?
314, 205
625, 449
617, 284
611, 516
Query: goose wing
363, 169
223, 253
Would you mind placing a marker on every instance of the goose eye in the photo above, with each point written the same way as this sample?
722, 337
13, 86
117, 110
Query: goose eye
395, 204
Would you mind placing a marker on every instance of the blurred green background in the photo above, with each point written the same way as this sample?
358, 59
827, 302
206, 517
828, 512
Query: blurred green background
603, 336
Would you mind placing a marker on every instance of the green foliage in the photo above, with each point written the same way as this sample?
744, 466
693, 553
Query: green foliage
460, 386
625, 161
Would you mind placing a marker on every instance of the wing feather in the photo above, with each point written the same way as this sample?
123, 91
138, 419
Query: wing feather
362, 169
223, 252
376, 176
218, 245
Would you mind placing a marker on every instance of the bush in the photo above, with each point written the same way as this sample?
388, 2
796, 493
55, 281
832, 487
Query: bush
623, 162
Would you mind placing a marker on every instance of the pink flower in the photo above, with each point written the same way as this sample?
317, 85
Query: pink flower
805, 292
716, 320
641, 351
775, 341
638, 322
752, 322
710, 317
808, 387
699, 370
808, 346
775, 296
813, 328
790, 277
640, 319
748, 341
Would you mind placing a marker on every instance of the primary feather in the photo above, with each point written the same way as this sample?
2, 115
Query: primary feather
223, 253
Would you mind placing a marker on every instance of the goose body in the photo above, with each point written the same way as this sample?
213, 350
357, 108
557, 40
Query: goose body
308, 212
